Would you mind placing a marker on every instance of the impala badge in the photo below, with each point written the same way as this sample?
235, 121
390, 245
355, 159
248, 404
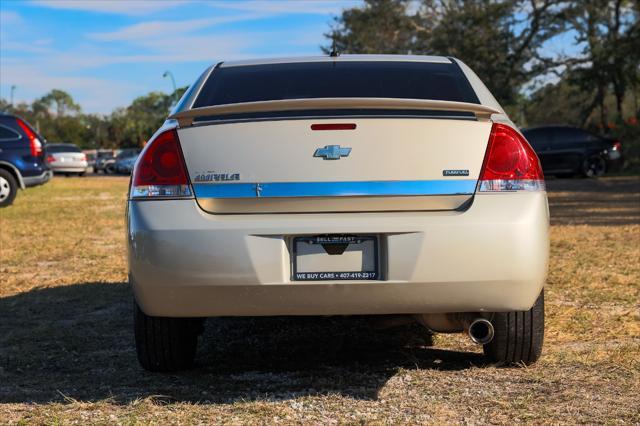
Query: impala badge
456, 172
332, 152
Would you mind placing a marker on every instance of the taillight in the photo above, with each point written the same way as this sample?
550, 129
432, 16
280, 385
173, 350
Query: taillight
617, 146
50, 159
160, 170
510, 164
34, 142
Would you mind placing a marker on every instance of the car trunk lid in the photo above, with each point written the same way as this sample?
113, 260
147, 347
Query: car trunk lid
346, 164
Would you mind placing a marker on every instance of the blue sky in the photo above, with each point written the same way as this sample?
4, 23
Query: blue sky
105, 53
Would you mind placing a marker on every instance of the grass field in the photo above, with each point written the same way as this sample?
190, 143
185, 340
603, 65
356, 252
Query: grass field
67, 353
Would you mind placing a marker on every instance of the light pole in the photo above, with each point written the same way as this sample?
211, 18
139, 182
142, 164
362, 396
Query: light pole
13, 88
173, 80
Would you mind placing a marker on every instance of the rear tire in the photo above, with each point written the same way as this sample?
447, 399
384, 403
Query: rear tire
518, 335
165, 344
8, 188
594, 166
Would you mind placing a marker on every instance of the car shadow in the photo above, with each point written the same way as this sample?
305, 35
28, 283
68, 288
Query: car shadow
76, 342
612, 201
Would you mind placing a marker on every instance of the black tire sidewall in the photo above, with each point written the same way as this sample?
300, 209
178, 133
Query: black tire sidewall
586, 166
13, 188
165, 344
519, 335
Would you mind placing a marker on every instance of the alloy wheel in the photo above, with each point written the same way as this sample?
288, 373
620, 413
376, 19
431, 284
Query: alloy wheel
594, 166
5, 189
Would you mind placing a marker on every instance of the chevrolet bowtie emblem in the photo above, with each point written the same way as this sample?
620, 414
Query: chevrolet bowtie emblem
332, 152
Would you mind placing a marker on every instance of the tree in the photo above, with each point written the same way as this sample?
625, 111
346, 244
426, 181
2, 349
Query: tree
560, 103
143, 117
501, 40
381, 26
61, 100
609, 34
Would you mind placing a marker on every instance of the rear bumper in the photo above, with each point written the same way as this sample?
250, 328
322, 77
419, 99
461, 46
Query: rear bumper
37, 180
492, 257
79, 167
615, 163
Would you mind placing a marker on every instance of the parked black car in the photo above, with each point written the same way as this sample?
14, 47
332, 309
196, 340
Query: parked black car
569, 151
22, 162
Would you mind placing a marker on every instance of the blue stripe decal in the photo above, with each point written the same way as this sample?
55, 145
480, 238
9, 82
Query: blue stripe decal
335, 189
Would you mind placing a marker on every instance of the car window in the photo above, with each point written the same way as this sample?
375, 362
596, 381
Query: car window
54, 149
126, 154
408, 80
539, 138
590, 137
570, 135
7, 134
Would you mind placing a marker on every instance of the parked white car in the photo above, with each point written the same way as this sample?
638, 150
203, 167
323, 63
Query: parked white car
66, 158
339, 186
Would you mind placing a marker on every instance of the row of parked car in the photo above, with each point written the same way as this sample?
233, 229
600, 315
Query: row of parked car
26, 160
69, 159
113, 162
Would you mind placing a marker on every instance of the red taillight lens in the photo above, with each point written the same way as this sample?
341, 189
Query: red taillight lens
160, 170
617, 146
34, 142
50, 158
510, 164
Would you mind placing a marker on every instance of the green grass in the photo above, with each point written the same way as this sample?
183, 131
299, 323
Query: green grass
67, 354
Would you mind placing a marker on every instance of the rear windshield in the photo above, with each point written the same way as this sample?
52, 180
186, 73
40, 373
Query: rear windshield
407, 80
53, 149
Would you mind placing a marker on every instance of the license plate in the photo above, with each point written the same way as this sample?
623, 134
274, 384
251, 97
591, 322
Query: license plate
335, 257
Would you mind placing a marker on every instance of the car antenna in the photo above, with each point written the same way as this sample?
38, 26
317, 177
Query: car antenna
334, 50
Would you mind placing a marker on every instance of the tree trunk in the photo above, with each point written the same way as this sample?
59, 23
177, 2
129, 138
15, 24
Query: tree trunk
603, 108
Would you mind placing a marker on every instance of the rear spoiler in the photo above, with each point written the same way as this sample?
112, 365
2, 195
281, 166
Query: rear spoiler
186, 117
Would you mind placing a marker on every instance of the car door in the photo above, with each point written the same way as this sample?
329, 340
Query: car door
566, 152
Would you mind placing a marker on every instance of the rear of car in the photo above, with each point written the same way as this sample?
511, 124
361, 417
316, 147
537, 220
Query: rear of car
569, 151
105, 161
22, 162
125, 161
355, 185
66, 158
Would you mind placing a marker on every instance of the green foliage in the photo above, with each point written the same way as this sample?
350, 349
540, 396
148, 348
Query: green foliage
382, 26
609, 32
62, 101
143, 117
59, 118
501, 40
504, 43
560, 103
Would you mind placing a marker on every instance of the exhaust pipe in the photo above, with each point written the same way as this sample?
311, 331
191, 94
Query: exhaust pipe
480, 331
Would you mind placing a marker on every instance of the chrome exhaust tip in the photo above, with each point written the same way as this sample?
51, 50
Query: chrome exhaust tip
480, 331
